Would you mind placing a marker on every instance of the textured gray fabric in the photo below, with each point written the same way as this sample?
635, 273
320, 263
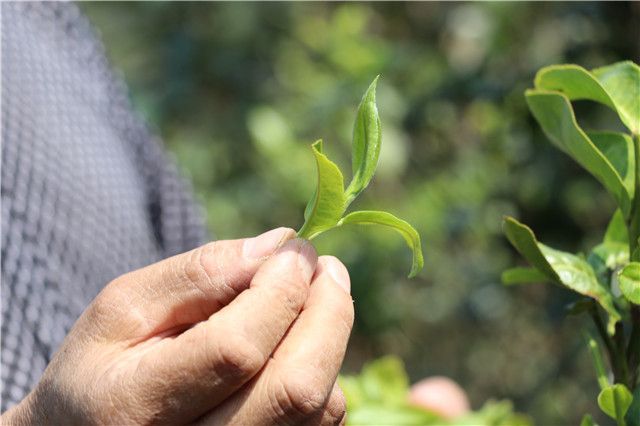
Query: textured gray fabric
87, 193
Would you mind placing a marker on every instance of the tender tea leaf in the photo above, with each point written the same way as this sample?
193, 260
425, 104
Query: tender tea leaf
327, 205
587, 420
618, 149
367, 139
554, 113
407, 231
575, 82
615, 401
622, 82
563, 268
523, 276
629, 279
523, 239
617, 231
617, 86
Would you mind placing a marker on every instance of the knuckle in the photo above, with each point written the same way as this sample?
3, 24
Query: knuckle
291, 292
237, 358
205, 268
300, 396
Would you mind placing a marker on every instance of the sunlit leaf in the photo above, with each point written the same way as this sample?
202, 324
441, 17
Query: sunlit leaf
327, 205
622, 82
629, 280
617, 86
367, 140
615, 401
407, 231
407, 415
523, 276
385, 380
554, 113
560, 267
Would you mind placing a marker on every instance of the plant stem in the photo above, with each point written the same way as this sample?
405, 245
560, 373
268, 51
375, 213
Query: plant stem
634, 219
633, 350
602, 331
623, 368
597, 363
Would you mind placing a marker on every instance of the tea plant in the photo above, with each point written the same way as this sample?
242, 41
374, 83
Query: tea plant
608, 278
326, 208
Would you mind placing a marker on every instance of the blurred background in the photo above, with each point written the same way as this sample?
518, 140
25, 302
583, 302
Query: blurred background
238, 91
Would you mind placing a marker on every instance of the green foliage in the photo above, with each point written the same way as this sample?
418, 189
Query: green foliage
612, 158
325, 209
378, 396
615, 400
629, 279
560, 267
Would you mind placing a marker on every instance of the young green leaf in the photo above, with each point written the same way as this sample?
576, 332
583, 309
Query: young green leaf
329, 202
562, 268
615, 400
616, 86
367, 140
327, 205
629, 279
555, 115
617, 231
407, 231
523, 276
622, 82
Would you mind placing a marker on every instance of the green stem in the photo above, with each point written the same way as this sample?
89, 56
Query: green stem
614, 359
623, 368
597, 362
633, 350
634, 219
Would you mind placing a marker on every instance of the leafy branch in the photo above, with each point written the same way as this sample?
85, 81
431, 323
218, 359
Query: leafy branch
610, 275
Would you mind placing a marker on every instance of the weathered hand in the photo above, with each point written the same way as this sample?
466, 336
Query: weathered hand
242, 331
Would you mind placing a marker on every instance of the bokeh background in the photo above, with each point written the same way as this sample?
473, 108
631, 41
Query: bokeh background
238, 91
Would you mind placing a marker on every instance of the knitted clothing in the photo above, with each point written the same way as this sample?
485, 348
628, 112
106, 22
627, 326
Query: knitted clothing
87, 192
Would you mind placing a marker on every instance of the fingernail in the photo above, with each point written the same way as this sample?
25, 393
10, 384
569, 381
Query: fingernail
339, 273
265, 244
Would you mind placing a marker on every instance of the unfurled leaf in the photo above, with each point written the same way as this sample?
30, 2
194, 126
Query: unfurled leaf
629, 280
327, 205
407, 231
616, 86
615, 401
560, 267
622, 82
554, 113
523, 276
367, 140
617, 230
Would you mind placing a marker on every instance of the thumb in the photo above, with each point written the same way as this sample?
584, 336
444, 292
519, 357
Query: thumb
182, 290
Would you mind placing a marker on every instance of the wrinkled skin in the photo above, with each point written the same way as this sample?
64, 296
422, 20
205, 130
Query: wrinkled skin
235, 332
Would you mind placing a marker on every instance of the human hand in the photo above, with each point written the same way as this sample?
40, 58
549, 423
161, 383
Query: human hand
237, 332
